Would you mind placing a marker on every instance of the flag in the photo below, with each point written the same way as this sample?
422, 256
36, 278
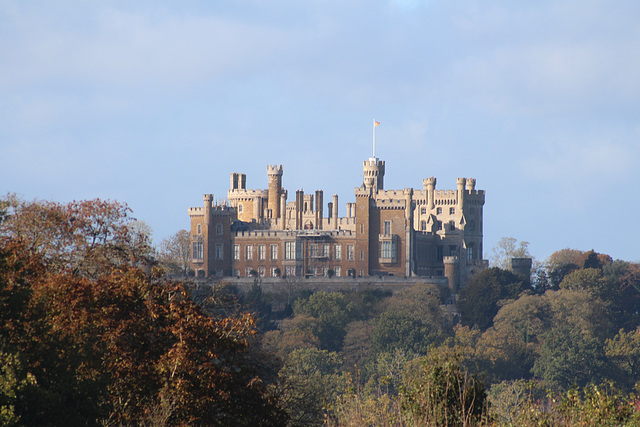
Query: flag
376, 124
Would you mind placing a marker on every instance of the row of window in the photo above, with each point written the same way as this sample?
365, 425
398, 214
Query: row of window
219, 229
292, 251
289, 271
452, 211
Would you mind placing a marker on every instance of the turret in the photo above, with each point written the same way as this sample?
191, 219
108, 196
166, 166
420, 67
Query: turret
208, 200
319, 209
275, 185
373, 170
335, 212
471, 184
429, 185
461, 183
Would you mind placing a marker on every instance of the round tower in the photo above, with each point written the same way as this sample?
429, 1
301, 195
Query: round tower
275, 185
451, 272
429, 185
461, 183
471, 184
373, 170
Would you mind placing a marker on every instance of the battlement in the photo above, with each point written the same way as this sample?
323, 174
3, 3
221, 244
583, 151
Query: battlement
247, 193
274, 170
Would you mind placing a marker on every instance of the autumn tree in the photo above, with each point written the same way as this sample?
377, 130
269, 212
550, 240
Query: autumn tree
88, 338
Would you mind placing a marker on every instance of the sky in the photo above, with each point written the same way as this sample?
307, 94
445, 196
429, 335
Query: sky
155, 103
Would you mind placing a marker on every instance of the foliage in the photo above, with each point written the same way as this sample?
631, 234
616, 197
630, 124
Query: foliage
332, 311
309, 384
174, 253
440, 392
507, 248
88, 338
478, 301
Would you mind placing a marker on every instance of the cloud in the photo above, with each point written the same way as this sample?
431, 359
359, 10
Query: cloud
134, 48
582, 166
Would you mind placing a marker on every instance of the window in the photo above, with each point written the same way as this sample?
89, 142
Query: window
219, 273
197, 251
199, 228
361, 255
236, 273
219, 251
439, 225
453, 250
386, 249
452, 211
452, 225
438, 211
261, 271
423, 225
439, 253
423, 211
249, 252
218, 228
350, 252
337, 252
289, 250
236, 252
336, 270
240, 208
470, 252
387, 228
362, 228
248, 271
325, 251
313, 250
262, 249
275, 271
274, 252
290, 270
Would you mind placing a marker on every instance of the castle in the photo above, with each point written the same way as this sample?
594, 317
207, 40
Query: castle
408, 232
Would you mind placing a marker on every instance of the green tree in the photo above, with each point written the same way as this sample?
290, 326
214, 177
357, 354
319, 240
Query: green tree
333, 312
440, 392
571, 351
309, 384
478, 301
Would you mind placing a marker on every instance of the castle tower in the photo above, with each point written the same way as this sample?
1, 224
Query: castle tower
429, 185
451, 272
275, 185
461, 183
373, 170
521, 267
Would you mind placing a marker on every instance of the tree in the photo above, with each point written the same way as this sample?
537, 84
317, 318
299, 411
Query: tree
333, 313
89, 338
174, 252
478, 301
440, 392
571, 351
309, 384
507, 248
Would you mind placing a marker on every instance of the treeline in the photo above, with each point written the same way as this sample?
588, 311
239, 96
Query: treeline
92, 333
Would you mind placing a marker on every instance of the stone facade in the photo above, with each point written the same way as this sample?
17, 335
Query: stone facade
409, 232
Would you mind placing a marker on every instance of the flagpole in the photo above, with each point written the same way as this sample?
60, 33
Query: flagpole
374, 138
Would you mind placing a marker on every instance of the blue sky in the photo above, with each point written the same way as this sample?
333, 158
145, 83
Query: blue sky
156, 103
